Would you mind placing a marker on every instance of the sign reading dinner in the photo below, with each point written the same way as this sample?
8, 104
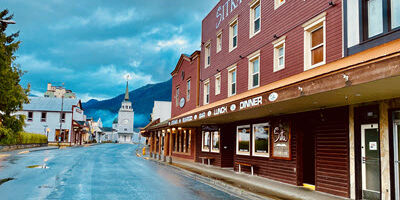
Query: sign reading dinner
225, 9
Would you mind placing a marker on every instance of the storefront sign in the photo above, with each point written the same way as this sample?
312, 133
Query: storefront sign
221, 110
209, 128
173, 122
233, 107
281, 141
78, 110
202, 115
373, 146
187, 119
251, 102
273, 96
225, 9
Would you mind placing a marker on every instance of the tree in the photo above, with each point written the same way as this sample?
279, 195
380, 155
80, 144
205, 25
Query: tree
12, 95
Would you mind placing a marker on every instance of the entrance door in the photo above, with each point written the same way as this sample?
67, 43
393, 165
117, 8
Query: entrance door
162, 144
396, 143
370, 165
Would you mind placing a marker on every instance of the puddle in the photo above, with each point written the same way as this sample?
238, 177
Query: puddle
5, 180
38, 166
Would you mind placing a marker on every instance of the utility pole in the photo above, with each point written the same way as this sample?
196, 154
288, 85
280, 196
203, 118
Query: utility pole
62, 109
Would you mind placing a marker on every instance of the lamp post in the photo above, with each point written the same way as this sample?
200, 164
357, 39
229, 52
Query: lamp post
45, 130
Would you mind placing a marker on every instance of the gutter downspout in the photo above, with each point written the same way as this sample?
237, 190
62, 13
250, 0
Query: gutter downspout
198, 81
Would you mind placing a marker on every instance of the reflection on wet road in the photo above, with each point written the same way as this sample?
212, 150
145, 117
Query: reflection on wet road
107, 171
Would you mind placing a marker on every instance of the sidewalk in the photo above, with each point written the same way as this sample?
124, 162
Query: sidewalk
258, 185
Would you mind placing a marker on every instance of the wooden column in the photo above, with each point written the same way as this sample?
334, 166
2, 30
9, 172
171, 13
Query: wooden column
352, 153
170, 143
385, 152
184, 141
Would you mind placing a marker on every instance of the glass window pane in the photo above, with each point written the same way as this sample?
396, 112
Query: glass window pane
256, 66
244, 139
261, 138
233, 88
281, 51
234, 41
281, 61
317, 37
234, 77
215, 141
256, 25
395, 5
375, 17
255, 80
257, 12
234, 30
317, 55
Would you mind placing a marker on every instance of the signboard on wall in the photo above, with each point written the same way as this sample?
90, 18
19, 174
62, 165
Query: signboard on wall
281, 136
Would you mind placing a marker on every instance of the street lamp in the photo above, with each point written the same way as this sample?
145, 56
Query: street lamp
7, 21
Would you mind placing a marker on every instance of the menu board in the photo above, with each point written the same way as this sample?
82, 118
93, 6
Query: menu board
281, 141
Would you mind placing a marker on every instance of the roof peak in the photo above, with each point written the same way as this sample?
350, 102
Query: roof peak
126, 92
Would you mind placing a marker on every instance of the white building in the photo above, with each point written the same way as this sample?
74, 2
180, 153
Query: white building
43, 117
58, 92
161, 110
125, 120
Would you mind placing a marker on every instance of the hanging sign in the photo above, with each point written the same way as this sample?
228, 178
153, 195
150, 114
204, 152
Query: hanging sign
281, 141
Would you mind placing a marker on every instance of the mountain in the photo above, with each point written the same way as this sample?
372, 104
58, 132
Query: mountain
142, 102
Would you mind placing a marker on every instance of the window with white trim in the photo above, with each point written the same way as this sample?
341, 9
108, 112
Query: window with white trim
261, 134
219, 41
278, 3
208, 55
206, 92
188, 90
232, 81
243, 140
314, 43
279, 55
217, 84
177, 96
215, 141
254, 71
205, 142
255, 18
233, 35
30, 116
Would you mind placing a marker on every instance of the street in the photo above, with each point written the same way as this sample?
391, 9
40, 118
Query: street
106, 171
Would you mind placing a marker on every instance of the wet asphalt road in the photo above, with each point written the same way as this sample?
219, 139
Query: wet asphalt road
107, 171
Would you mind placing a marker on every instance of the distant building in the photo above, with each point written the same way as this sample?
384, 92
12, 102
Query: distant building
110, 135
44, 115
161, 110
58, 92
125, 120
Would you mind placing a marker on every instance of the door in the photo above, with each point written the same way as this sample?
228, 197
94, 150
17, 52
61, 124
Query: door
162, 143
370, 164
396, 150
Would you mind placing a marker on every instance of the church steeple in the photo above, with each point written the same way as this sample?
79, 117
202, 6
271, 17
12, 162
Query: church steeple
127, 92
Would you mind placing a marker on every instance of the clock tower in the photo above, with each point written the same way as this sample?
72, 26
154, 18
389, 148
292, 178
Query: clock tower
125, 119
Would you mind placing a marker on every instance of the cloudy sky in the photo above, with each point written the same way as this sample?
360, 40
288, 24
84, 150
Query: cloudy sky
90, 44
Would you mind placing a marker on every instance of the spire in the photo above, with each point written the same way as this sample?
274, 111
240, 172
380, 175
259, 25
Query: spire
127, 92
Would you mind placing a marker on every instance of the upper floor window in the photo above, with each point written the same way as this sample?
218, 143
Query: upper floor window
217, 84
255, 18
30, 116
177, 96
207, 92
254, 70
63, 117
43, 117
219, 41
233, 35
380, 16
314, 42
279, 54
188, 90
278, 3
232, 81
208, 55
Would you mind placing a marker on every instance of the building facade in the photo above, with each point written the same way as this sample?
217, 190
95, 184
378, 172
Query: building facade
125, 120
305, 92
47, 115
161, 110
58, 92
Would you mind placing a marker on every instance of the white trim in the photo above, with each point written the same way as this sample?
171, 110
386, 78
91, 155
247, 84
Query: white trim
212, 142
218, 76
309, 27
207, 50
234, 22
254, 56
202, 141
206, 82
279, 44
219, 34
230, 70
278, 4
237, 140
253, 141
253, 5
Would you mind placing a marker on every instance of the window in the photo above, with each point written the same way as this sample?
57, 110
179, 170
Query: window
207, 92
177, 96
215, 141
261, 140
243, 140
255, 18
219, 41
205, 141
375, 17
188, 90
278, 3
232, 81
208, 55
43, 118
279, 54
63, 117
254, 70
233, 35
314, 42
218, 84
30, 116
395, 13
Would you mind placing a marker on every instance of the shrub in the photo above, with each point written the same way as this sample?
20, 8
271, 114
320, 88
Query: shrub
7, 136
31, 138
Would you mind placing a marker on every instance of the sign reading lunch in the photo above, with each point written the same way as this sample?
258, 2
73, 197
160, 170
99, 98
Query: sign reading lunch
225, 9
